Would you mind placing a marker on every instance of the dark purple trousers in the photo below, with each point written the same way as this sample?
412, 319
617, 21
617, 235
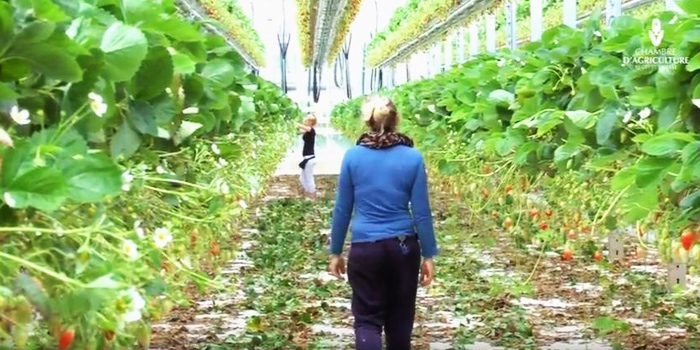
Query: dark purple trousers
384, 280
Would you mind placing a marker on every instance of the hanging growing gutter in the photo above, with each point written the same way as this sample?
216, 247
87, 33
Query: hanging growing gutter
464, 10
328, 19
196, 11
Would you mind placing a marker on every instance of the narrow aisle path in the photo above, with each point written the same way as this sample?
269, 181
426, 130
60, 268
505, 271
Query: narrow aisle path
278, 294
330, 148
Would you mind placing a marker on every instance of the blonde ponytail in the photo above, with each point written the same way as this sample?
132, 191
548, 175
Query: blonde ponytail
380, 115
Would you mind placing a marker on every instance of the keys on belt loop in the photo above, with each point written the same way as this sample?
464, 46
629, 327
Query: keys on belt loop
402, 245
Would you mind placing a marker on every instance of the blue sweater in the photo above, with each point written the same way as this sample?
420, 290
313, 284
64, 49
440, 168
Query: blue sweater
379, 184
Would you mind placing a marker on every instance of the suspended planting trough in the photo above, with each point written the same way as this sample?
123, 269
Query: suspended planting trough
465, 9
192, 10
327, 19
323, 26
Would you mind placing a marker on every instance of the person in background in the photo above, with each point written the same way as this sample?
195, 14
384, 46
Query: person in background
308, 153
383, 180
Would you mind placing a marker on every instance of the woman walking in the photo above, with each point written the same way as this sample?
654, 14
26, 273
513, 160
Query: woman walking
309, 162
378, 179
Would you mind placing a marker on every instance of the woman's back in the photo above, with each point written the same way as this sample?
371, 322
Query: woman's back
382, 183
386, 189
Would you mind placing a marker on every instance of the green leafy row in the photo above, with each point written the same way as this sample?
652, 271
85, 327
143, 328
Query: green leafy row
574, 103
130, 145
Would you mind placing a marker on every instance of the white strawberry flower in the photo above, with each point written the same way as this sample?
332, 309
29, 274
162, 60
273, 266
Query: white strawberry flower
628, 116
130, 249
127, 179
190, 110
135, 303
162, 237
97, 104
215, 148
645, 113
9, 200
20, 116
140, 231
223, 188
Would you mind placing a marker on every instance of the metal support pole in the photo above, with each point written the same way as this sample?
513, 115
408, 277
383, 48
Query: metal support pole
461, 48
613, 9
364, 69
393, 76
570, 16
473, 39
490, 33
408, 73
536, 21
432, 61
346, 57
449, 52
511, 25
283, 45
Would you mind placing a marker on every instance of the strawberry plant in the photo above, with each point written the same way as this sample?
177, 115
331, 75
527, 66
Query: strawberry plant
573, 143
124, 132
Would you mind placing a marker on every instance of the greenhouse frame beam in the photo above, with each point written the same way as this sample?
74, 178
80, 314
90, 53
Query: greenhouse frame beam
464, 10
327, 20
199, 13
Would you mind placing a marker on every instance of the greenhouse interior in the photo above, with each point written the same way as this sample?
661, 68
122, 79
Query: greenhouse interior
498, 174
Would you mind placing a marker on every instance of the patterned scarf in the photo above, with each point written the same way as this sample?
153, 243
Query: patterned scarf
385, 140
